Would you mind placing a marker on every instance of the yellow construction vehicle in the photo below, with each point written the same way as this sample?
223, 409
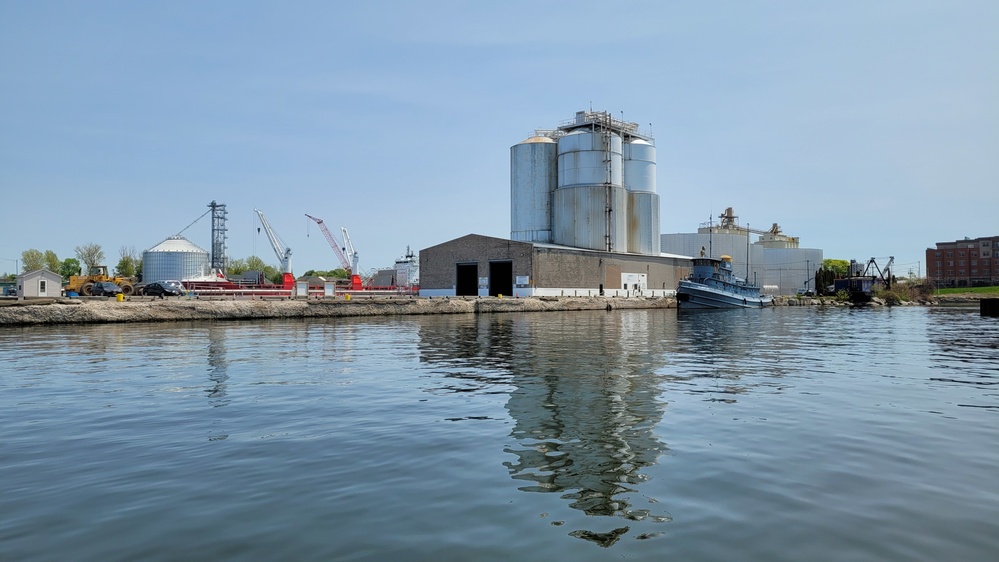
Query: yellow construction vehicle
83, 284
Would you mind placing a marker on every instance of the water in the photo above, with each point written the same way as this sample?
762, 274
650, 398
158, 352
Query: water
782, 434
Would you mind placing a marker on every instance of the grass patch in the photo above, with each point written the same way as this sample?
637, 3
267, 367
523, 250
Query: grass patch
965, 290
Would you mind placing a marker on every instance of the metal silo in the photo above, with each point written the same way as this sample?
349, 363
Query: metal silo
639, 165
643, 223
591, 216
532, 180
643, 201
174, 258
590, 203
589, 158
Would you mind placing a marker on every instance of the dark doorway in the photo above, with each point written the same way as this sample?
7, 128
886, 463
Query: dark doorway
500, 278
467, 280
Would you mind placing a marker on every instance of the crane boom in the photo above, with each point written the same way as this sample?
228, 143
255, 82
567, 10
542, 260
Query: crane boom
282, 252
333, 243
350, 250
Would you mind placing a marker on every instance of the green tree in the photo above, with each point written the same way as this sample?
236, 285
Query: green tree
31, 260
839, 267
254, 263
68, 267
52, 262
126, 266
90, 255
236, 266
129, 258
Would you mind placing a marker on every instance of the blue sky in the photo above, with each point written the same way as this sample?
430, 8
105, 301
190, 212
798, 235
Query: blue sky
864, 128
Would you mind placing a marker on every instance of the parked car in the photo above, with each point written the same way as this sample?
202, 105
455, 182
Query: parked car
105, 289
163, 289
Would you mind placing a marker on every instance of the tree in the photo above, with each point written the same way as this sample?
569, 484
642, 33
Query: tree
52, 262
90, 255
236, 266
31, 260
254, 263
129, 258
839, 267
125, 267
69, 267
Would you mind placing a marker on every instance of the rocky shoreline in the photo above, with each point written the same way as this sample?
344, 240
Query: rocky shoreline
96, 311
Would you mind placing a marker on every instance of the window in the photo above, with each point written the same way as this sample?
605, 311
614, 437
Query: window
960, 254
974, 254
961, 273
950, 254
950, 263
939, 254
974, 262
939, 264
960, 262
41, 286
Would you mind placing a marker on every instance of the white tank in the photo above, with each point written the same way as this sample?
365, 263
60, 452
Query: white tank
643, 223
589, 158
640, 165
532, 180
591, 216
174, 258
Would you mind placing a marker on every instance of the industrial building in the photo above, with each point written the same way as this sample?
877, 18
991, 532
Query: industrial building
774, 260
964, 263
584, 220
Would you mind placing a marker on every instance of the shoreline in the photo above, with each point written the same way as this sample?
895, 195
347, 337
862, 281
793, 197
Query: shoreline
103, 311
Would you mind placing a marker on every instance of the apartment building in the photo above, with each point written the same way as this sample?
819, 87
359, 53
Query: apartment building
964, 263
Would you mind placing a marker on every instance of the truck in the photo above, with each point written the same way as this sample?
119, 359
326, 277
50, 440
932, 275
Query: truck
83, 284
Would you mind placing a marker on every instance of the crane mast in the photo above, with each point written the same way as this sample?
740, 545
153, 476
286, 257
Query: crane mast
349, 248
282, 252
333, 243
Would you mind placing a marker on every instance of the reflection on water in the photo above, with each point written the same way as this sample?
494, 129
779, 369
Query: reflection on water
584, 400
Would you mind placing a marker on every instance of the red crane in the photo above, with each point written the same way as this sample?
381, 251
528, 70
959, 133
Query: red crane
355, 279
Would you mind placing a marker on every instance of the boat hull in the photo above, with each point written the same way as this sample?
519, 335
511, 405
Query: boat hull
691, 295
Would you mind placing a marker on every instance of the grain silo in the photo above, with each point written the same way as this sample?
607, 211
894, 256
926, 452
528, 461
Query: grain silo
533, 174
590, 183
643, 201
174, 258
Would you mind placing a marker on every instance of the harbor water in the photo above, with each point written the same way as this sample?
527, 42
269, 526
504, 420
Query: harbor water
790, 433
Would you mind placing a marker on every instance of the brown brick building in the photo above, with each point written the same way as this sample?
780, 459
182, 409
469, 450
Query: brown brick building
964, 263
476, 265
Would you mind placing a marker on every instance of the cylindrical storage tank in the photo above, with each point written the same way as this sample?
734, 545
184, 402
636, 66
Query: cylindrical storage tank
589, 158
174, 258
643, 223
640, 165
591, 216
532, 179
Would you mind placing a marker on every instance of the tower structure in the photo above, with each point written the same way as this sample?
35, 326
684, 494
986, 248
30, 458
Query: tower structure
219, 236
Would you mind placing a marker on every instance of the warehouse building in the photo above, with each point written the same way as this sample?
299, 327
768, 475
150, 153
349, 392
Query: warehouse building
584, 220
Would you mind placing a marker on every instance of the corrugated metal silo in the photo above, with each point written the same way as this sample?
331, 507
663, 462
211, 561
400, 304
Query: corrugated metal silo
174, 258
591, 216
643, 223
640, 165
533, 178
589, 158
590, 204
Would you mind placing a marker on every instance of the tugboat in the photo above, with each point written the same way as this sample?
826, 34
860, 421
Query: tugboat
713, 285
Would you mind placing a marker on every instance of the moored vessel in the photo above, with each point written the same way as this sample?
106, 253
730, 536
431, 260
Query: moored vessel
712, 284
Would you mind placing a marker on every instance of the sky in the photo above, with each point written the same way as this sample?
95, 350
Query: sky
866, 129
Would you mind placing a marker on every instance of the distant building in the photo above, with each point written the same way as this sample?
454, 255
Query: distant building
964, 263
39, 283
770, 259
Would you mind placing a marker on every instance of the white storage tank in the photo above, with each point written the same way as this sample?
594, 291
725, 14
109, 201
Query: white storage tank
533, 176
639, 165
589, 158
174, 258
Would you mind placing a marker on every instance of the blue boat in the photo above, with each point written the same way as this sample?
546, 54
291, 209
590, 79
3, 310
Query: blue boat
712, 284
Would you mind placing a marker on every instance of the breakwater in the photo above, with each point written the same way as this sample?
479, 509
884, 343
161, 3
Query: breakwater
79, 311
139, 309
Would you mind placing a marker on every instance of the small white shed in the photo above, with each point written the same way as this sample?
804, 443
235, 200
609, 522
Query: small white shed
39, 283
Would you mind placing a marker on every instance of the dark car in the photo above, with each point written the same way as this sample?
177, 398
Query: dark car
163, 289
105, 289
